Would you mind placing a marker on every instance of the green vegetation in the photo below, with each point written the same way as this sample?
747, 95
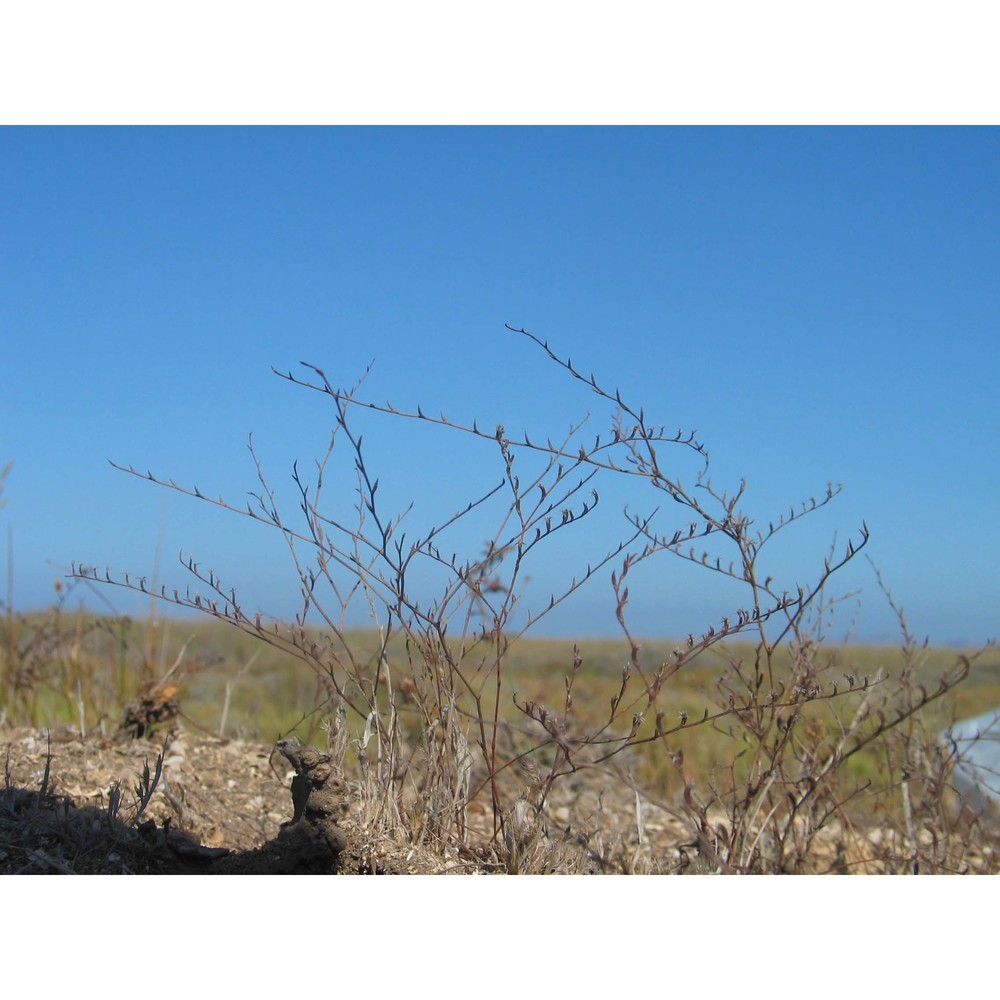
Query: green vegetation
65, 668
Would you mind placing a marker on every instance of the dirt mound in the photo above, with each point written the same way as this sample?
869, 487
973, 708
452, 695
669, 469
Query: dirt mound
209, 806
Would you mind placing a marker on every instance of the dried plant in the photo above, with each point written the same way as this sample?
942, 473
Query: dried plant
432, 736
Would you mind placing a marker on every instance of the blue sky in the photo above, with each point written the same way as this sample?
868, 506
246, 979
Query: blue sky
820, 304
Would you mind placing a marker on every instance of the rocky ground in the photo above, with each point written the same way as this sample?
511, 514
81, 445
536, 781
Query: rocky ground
97, 806
92, 805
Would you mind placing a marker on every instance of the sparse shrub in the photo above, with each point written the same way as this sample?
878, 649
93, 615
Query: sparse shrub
433, 730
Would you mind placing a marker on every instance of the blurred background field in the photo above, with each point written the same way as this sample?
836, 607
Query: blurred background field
66, 668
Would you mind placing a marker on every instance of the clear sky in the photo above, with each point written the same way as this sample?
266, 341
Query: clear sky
820, 304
